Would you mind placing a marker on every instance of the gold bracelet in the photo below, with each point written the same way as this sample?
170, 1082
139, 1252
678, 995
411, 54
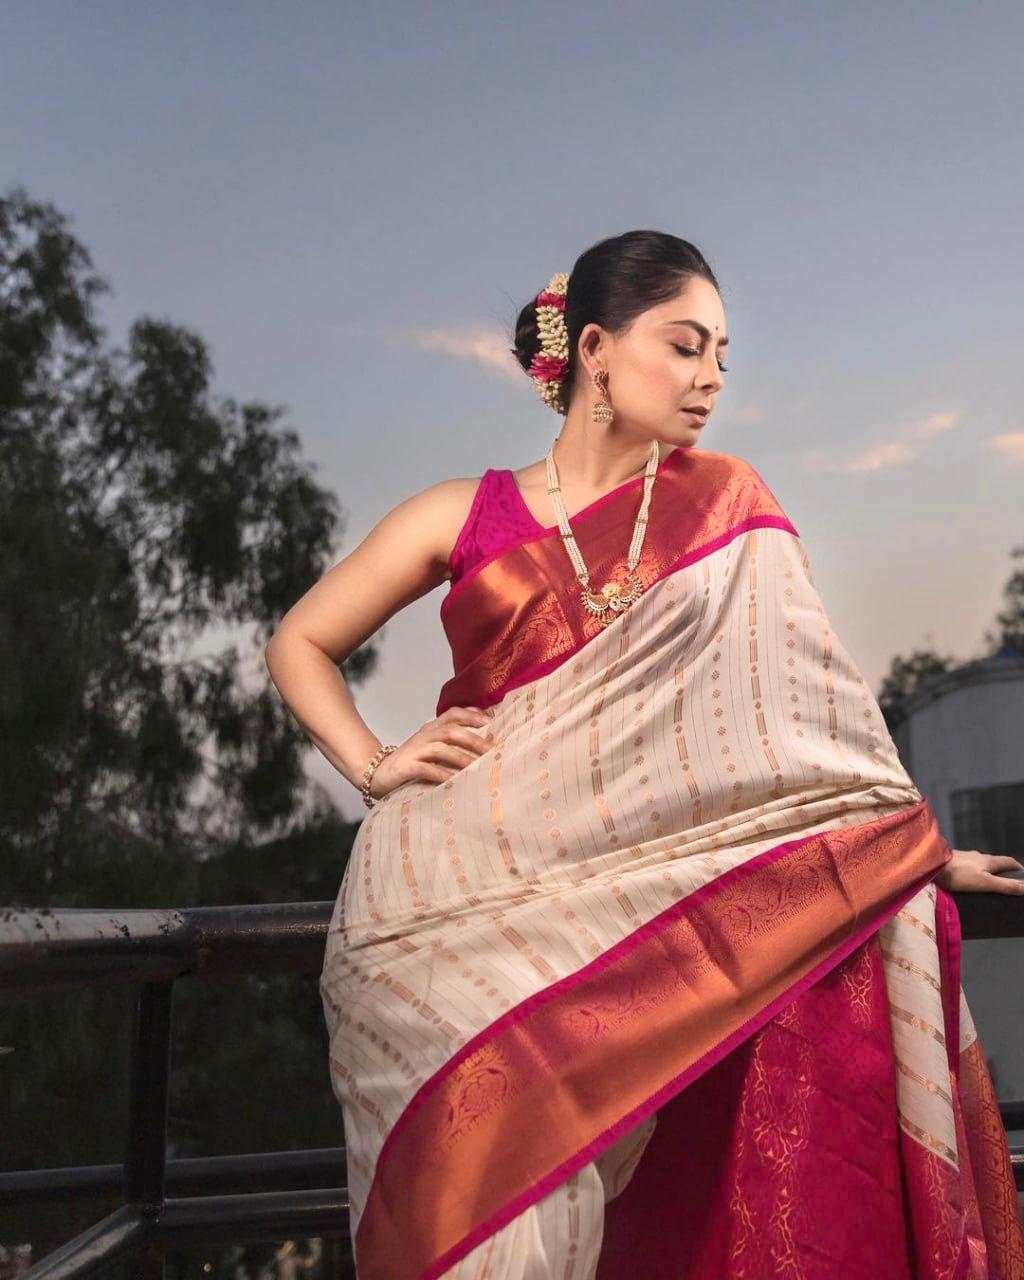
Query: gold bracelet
369, 771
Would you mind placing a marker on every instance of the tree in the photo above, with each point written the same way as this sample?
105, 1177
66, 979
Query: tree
153, 535
140, 519
905, 677
1010, 620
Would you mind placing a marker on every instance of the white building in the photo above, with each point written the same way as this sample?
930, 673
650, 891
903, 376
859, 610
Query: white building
963, 744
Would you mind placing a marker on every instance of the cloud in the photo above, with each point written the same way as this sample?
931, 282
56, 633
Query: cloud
936, 422
904, 445
1009, 444
489, 347
882, 456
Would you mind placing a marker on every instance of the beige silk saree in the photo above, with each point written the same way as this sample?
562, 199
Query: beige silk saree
688, 893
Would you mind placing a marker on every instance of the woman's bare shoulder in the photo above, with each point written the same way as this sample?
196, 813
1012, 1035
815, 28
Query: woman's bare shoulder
441, 509
455, 496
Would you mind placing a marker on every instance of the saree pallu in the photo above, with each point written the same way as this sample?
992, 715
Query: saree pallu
682, 913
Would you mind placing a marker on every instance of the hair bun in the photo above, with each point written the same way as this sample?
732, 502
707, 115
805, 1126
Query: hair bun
542, 341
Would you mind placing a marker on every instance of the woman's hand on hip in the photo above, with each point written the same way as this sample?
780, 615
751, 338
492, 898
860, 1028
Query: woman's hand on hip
434, 752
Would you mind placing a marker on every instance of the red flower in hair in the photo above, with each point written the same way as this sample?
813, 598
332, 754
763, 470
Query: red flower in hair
545, 299
547, 367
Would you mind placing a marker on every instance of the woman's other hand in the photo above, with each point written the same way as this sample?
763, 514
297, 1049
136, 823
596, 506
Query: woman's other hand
970, 871
434, 752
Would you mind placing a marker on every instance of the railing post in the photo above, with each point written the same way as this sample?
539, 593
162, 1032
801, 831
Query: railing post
146, 1153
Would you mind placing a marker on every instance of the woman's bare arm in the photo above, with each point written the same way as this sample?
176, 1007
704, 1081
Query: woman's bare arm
402, 558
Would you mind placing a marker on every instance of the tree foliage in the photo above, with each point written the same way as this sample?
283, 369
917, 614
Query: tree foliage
906, 676
1010, 619
153, 536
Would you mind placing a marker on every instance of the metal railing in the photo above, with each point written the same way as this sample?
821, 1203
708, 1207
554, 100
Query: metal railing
171, 1202
267, 1196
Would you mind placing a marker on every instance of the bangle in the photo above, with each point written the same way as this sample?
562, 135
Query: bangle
369, 771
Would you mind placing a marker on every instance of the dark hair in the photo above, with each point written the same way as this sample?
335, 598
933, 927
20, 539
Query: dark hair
610, 284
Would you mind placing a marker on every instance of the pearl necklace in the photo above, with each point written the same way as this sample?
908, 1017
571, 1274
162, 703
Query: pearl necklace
612, 600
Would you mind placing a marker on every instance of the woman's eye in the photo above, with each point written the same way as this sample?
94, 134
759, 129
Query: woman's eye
692, 351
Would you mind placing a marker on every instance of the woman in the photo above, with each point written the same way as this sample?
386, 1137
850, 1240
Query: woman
644, 955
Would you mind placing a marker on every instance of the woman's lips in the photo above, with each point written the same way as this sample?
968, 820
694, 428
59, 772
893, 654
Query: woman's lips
696, 416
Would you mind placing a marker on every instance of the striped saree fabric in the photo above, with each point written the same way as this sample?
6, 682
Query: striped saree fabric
662, 978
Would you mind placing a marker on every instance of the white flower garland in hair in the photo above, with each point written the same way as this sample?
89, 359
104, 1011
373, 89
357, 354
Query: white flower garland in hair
549, 364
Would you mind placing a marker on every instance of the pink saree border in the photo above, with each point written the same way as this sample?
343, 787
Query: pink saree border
538, 669
544, 1185
947, 922
963, 1218
557, 990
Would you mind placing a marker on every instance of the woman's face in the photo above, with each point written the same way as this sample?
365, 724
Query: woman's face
669, 360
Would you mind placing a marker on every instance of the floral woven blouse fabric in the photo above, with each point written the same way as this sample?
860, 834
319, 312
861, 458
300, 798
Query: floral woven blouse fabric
497, 517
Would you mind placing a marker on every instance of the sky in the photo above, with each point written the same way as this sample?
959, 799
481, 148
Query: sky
350, 204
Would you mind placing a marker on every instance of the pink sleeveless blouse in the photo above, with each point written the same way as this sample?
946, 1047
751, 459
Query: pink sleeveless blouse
498, 518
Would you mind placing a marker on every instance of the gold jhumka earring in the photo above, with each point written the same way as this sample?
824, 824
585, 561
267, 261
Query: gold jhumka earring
602, 411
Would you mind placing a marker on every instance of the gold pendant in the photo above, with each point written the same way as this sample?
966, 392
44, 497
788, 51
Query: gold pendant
611, 601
